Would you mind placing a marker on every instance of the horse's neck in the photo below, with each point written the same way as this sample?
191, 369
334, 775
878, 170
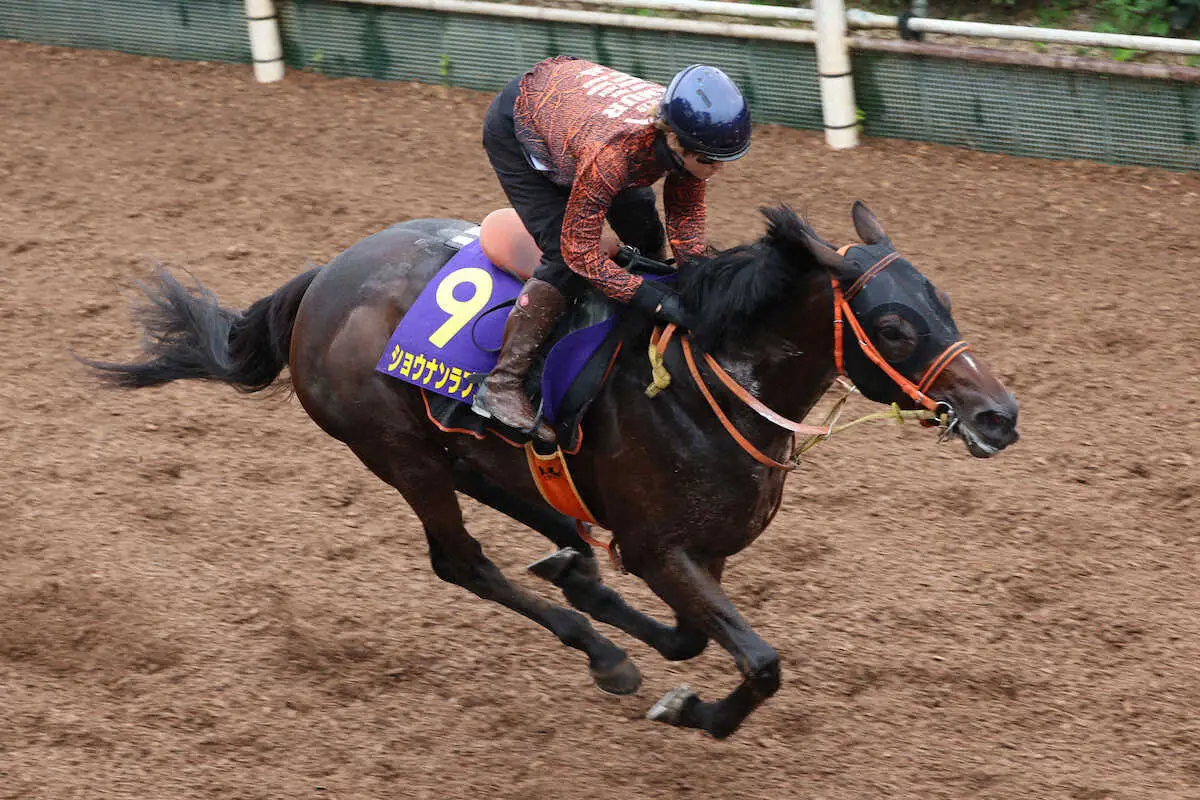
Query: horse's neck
786, 379
789, 368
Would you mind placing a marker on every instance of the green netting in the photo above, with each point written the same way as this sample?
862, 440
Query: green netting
485, 53
1023, 111
208, 30
1030, 111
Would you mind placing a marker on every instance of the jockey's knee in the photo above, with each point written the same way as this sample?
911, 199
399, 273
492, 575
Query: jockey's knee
634, 218
555, 272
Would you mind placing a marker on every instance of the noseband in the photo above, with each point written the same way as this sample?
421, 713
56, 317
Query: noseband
842, 312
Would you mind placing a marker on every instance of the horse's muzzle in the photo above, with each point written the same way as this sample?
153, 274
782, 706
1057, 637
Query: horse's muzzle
986, 426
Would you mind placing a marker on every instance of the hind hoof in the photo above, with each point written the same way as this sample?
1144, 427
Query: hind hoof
552, 567
620, 679
670, 708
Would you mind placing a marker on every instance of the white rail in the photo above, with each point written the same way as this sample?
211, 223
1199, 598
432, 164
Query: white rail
1152, 44
854, 19
703, 27
866, 19
715, 7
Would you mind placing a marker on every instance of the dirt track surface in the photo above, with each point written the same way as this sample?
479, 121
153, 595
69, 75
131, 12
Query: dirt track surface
202, 595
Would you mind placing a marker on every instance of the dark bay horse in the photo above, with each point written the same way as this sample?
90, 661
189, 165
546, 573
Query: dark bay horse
781, 315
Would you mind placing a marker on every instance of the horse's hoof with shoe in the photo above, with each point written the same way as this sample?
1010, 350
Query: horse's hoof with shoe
670, 707
555, 565
621, 679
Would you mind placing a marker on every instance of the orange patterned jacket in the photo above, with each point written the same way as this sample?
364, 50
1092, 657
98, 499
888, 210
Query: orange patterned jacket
592, 128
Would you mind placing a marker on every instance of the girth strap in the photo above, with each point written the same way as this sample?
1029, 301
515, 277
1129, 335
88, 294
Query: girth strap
554, 482
553, 479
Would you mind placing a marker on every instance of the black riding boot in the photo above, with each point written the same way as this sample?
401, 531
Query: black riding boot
502, 394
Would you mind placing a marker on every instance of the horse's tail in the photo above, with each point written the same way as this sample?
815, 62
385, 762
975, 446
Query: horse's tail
188, 335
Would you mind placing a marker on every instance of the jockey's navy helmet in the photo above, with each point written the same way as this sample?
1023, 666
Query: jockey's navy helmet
708, 113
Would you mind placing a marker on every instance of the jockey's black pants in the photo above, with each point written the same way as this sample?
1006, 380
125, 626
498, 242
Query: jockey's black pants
541, 203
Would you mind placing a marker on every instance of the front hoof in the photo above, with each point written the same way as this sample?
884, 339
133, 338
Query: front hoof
622, 678
553, 566
671, 707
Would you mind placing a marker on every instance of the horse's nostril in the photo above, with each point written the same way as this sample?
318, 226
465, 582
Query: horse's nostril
993, 420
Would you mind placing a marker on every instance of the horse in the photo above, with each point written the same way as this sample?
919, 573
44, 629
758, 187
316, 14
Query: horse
683, 480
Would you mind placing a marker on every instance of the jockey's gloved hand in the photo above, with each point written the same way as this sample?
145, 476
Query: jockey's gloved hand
659, 302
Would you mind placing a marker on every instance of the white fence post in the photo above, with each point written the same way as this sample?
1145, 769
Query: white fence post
833, 68
266, 46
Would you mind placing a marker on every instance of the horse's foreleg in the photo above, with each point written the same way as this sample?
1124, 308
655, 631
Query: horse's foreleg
694, 591
578, 575
575, 571
426, 482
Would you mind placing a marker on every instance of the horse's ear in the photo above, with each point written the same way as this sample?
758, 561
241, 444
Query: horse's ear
868, 226
792, 236
784, 229
829, 258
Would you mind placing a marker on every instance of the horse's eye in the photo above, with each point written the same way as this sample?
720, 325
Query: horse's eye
895, 337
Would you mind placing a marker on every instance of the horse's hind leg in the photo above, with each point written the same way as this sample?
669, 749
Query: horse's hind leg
694, 591
424, 477
578, 575
574, 570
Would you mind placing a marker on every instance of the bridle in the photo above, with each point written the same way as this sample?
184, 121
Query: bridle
842, 309
936, 412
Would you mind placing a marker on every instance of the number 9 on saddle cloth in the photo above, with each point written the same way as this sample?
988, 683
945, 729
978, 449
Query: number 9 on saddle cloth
448, 341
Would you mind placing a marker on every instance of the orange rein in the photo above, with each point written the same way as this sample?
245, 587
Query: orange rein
841, 311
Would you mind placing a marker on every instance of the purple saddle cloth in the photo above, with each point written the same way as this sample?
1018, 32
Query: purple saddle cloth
449, 340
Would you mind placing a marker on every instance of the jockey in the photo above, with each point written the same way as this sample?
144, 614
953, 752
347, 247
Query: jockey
574, 143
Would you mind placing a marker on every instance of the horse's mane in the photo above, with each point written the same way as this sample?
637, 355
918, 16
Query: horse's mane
732, 292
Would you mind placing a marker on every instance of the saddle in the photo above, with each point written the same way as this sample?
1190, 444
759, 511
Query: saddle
448, 341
